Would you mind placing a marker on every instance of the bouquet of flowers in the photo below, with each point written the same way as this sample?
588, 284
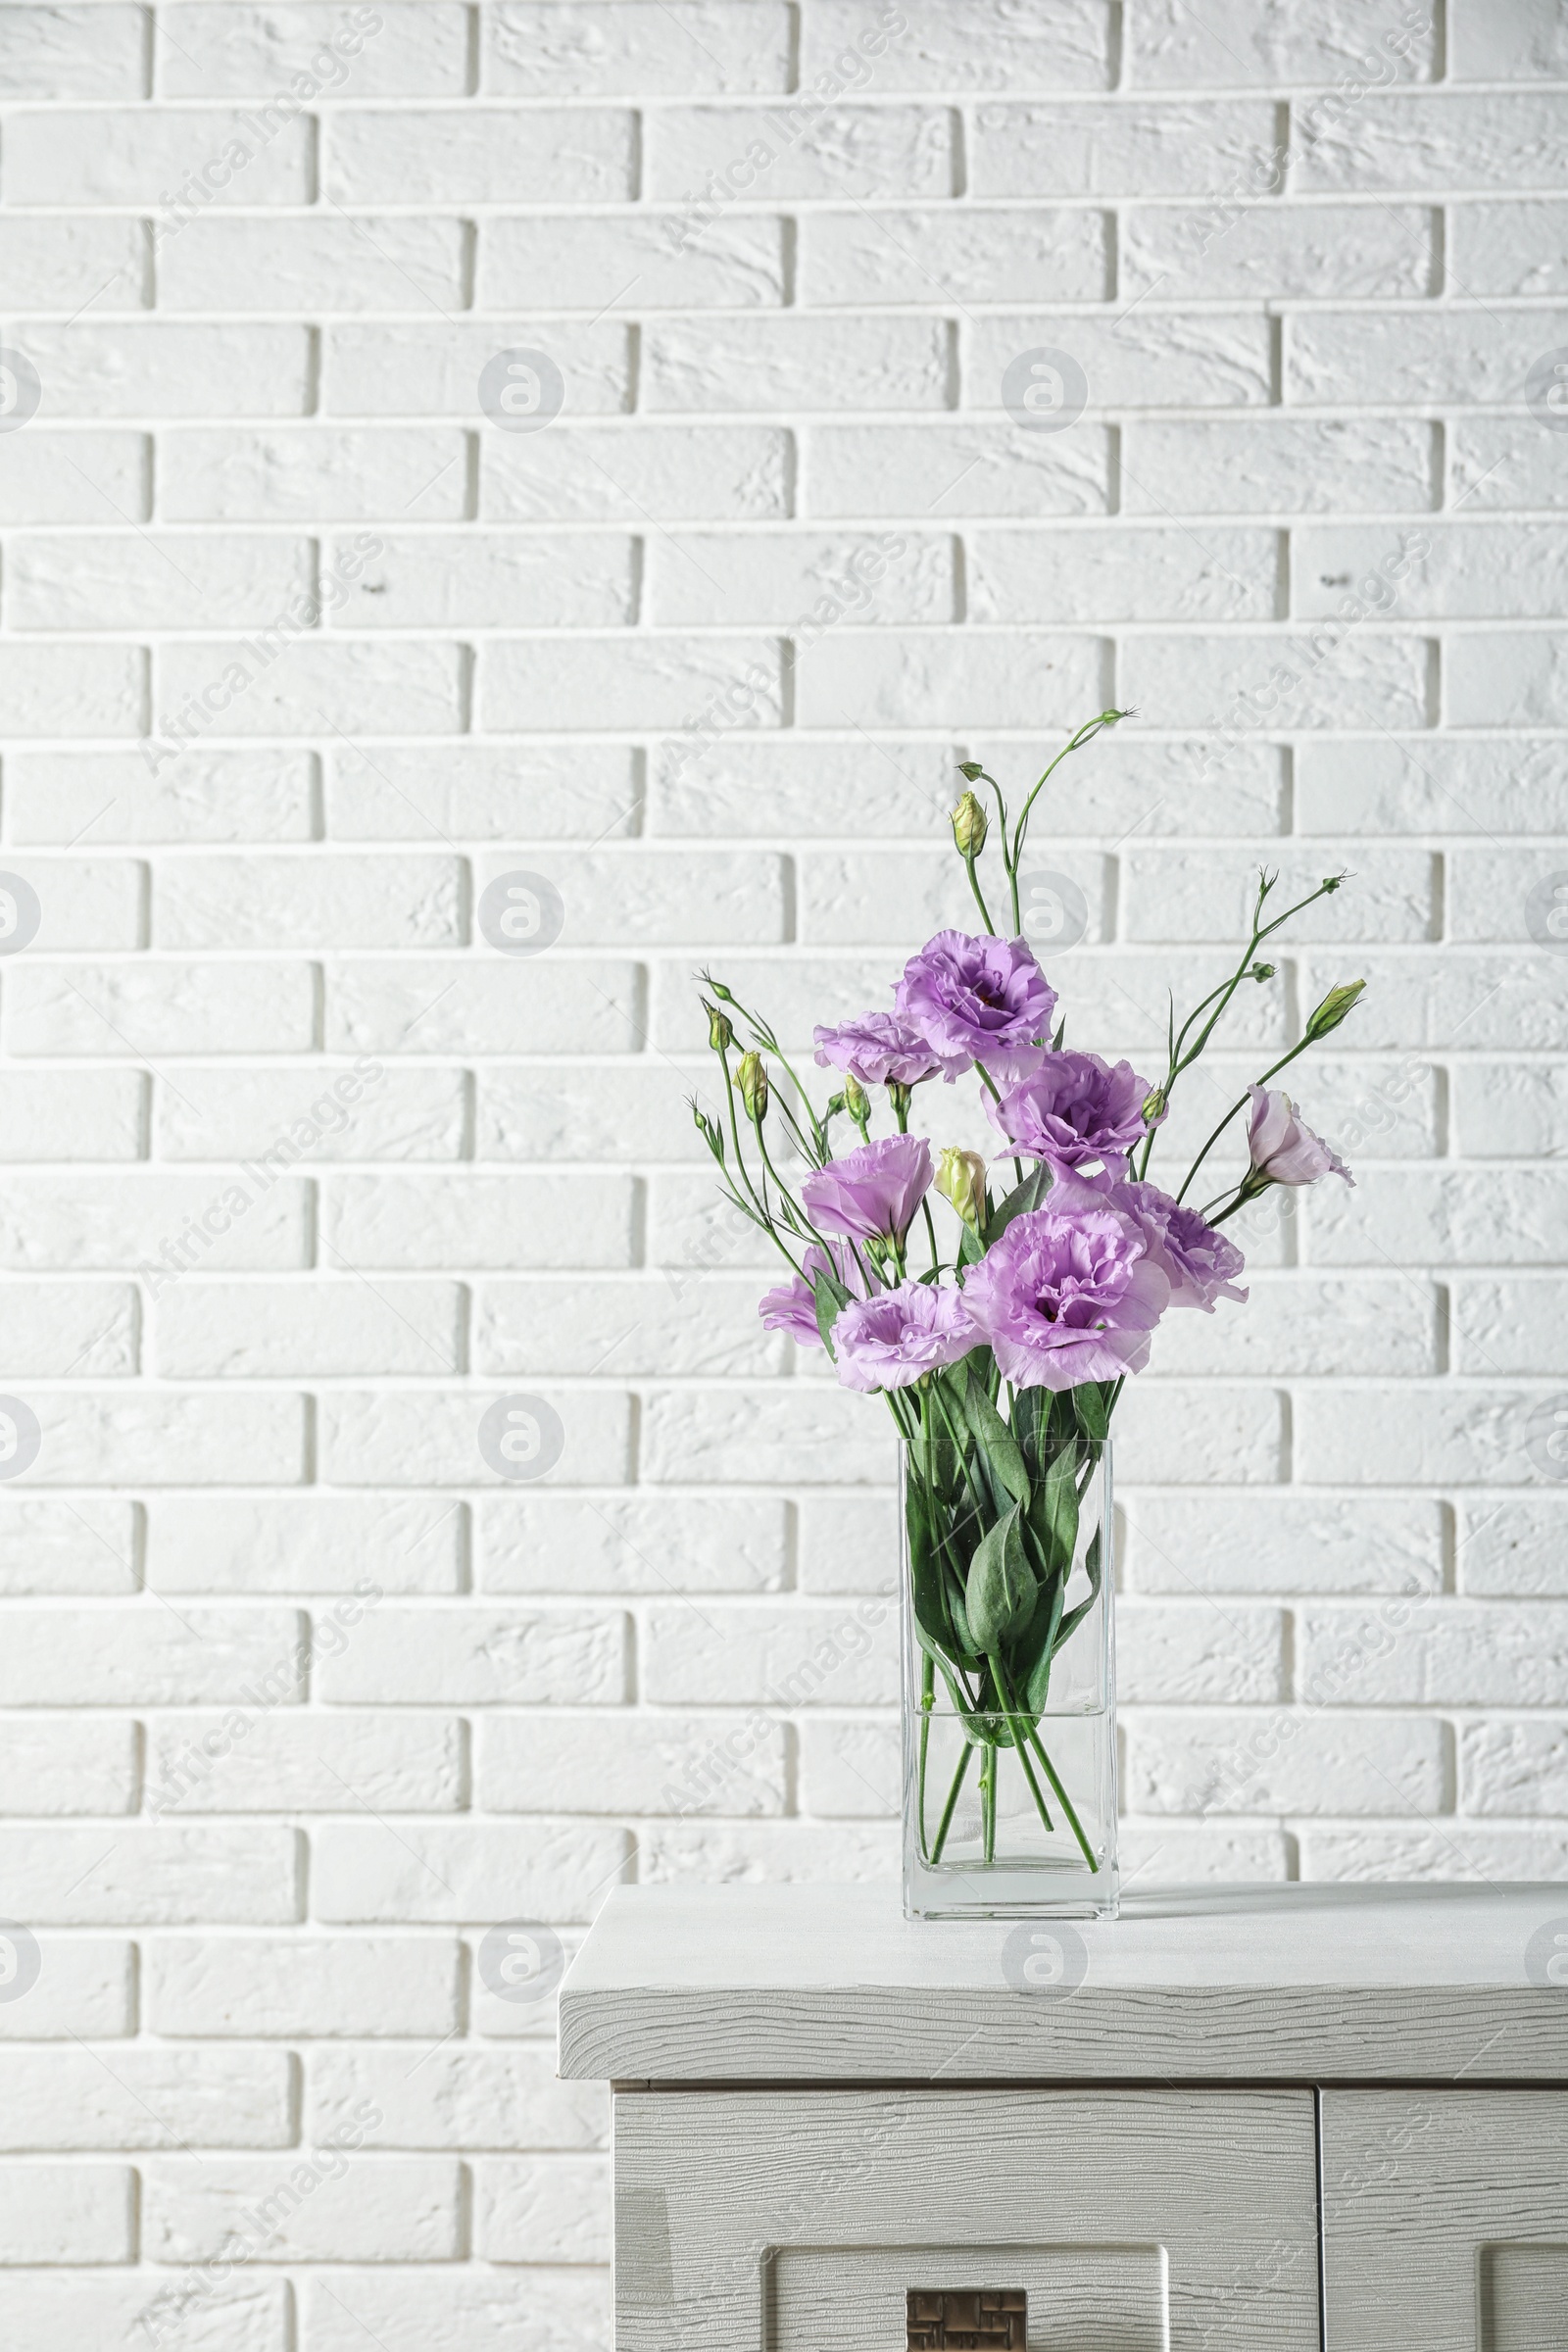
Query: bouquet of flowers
1003, 1343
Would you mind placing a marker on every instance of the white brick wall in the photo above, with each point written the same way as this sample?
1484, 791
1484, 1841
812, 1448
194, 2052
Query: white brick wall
300, 651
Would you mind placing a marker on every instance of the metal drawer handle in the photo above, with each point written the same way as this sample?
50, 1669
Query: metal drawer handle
979, 2318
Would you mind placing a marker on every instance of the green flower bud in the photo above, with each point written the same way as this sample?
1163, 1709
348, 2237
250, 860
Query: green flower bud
962, 1179
969, 826
721, 1035
752, 1079
1261, 971
971, 770
857, 1101
710, 1132
1333, 1010
1154, 1106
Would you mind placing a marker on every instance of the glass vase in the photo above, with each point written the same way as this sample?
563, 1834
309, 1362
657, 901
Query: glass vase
1010, 1761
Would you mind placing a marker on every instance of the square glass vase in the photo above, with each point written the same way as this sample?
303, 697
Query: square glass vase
1010, 1806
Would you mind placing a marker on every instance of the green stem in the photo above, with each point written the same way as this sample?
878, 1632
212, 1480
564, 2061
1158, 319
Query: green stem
979, 898
928, 1696
946, 1823
988, 1805
1014, 1718
1062, 1798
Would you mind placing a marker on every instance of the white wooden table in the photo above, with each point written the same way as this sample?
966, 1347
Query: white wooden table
1237, 2117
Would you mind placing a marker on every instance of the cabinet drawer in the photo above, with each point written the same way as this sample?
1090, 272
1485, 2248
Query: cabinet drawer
1446, 2219
799, 2221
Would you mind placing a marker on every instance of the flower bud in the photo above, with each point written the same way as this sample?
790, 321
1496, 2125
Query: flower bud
752, 1079
1154, 1107
721, 1035
1333, 1010
718, 988
1261, 971
971, 770
709, 1131
962, 1179
857, 1101
969, 826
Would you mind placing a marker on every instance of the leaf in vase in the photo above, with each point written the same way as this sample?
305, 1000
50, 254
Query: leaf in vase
1002, 1592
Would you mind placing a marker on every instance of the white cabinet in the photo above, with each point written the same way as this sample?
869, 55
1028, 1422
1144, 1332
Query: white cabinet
1446, 2219
837, 2131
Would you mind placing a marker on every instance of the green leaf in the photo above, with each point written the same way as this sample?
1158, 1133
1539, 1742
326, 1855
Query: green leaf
926, 1593
1054, 1515
831, 1299
996, 1442
1089, 1406
1075, 1616
1019, 1201
1002, 1592
1037, 1678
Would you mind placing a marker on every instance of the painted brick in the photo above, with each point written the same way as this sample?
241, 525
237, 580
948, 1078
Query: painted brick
797, 364
594, 262
595, 474
1245, 1544
1277, 465
73, 52
288, 1544
336, 473
624, 1544
141, 155
1170, 47
260, 1987
1127, 148
431, 580
420, 49
555, 48
867, 257
388, 370
350, 263
599, 1764
475, 154
167, 369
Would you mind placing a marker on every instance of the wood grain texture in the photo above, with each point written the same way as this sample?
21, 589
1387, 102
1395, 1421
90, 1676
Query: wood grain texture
1138, 2219
1283, 1984
1446, 2219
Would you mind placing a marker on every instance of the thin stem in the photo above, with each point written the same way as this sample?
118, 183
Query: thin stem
928, 1694
946, 1823
1011, 1719
979, 894
988, 1805
1063, 1799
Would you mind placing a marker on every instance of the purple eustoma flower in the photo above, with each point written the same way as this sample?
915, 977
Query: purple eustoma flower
792, 1307
889, 1341
978, 998
1069, 1293
874, 1191
1199, 1264
880, 1050
1283, 1149
1075, 1107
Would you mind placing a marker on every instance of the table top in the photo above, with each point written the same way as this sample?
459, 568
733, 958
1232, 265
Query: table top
1271, 1982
